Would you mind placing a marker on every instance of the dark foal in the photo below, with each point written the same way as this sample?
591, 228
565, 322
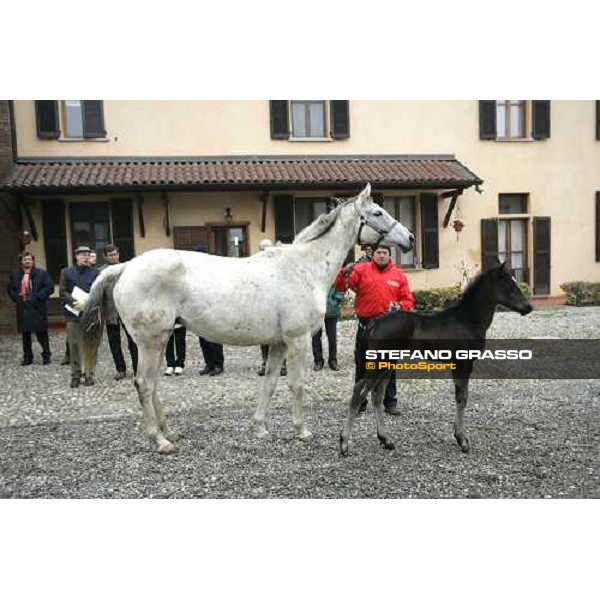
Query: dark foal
465, 324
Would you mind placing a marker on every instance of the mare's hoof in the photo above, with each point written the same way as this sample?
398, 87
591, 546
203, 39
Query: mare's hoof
305, 435
173, 435
166, 448
263, 434
343, 446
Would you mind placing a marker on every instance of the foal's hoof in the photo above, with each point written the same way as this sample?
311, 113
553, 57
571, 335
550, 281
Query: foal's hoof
166, 448
463, 442
305, 435
386, 443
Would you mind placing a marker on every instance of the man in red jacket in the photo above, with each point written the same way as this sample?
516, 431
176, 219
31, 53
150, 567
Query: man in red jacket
379, 286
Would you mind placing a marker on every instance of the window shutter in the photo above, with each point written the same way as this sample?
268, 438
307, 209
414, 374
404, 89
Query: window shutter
487, 120
489, 243
187, 238
340, 119
93, 119
541, 119
541, 255
122, 227
597, 226
429, 231
46, 118
598, 119
280, 123
55, 237
284, 218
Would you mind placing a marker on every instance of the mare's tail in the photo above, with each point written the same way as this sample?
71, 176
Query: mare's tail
91, 320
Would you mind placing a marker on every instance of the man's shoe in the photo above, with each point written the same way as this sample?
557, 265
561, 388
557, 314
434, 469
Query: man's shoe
26, 361
46, 360
362, 408
75, 382
333, 364
89, 381
216, 371
261, 370
120, 375
169, 371
65, 361
283, 371
392, 410
318, 365
206, 371
178, 370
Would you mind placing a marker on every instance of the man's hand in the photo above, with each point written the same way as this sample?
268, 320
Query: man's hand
393, 306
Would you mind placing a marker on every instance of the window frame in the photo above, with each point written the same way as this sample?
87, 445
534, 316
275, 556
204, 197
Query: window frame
505, 106
64, 137
416, 227
525, 218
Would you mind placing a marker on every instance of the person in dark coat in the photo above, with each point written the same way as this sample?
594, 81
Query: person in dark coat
82, 276
113, 322
332, 314
29, 288
211, 351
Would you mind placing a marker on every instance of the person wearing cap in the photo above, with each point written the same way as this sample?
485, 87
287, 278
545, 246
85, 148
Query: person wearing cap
29, 288
380, 286
80, 275
264, 348
113, 322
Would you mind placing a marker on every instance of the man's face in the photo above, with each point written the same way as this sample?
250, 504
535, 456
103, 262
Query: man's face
92, 259
82, 259
27, 262
112, 258
381, 256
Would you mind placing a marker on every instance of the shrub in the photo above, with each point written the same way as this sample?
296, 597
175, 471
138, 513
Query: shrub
582, 293
436, 299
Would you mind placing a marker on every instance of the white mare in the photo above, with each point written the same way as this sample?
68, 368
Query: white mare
276, 297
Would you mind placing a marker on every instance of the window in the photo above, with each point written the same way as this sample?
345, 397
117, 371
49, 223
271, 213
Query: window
229, 241
90, 226
404, 210
75, 119
308, 118
512, 234
512, 204
510, 118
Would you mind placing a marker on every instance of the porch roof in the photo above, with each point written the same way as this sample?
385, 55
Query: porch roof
37, 175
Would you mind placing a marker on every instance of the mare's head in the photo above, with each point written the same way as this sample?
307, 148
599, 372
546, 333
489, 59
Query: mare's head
507, 290
377, 225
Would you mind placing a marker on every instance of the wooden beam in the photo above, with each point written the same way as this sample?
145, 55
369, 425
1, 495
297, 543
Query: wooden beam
454, 195
264, 199
23, 201
166, 207
139, 200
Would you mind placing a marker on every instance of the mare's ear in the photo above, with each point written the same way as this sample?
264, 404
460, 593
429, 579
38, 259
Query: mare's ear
365, 196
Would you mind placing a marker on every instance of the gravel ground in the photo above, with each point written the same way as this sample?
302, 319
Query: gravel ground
529, 439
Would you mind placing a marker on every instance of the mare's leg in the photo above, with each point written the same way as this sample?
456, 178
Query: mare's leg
149, 360
359, 395
161, 416
268, 384
461, 388
377, 398
298, 350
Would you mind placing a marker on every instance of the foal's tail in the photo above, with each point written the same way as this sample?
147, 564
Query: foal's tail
92, 320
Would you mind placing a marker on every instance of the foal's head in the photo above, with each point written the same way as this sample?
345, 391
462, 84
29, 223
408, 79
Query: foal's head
507, 290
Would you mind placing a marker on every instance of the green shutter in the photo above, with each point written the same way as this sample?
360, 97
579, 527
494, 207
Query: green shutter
46, 118
340, 119
280, 125
55, 237
489, 243
283, 206
93, 119
487, 120
429, 231
541, 119
541, 255
122, 227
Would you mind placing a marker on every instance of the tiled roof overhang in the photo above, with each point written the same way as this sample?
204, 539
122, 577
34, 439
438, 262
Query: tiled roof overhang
237, 173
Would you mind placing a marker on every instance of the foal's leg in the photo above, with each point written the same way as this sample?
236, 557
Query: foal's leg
461, 388
146, 380
359, 395
377, 397
268, 384
297, 357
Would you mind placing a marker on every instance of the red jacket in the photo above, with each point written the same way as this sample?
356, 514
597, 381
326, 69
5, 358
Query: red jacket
376, 289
